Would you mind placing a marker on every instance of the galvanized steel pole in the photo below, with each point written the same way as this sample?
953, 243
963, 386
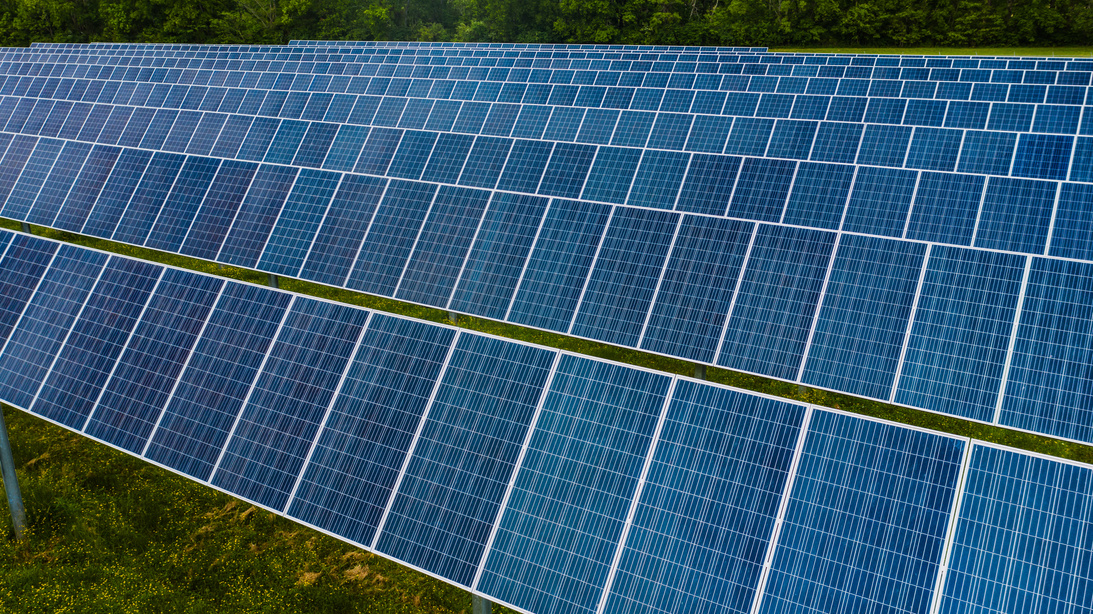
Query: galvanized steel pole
11, 482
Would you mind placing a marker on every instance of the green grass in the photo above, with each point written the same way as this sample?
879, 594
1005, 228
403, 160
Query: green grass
1034, 52
112, 533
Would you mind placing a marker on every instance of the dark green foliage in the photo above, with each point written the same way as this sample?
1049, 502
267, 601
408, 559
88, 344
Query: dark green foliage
899, 23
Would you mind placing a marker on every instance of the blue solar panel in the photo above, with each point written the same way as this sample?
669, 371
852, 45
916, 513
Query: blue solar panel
442, 245
774, 307
707, 509
590, 444
1015, 215
212, 388
300, 218
383, 253
218, 210
879, 202
95, 342
501, 248
1022, 543
257, 215
946, 208
142, 379
958, 342
627, 270
343, 228
867, 519
23, 265
274, 431
44, 324
365, 439
30, 182
558, 266
1072, 232
452, 488
819, 195
140, 213
859, 332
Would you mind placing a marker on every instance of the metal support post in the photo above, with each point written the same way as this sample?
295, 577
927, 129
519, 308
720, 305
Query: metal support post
700, 371
481, 605
11, 482
453, 317
272, 280
25, 227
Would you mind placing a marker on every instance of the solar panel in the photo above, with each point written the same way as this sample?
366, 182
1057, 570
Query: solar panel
387, 170
540, 479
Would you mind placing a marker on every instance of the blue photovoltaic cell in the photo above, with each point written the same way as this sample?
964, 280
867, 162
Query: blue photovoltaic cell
558, 266
792, 139
26, 189
178, 211
961, 332
1023, 542
867, 306
1048, 387
988, 153
879, 202
218, 210
749, 136
211, 391
524, 168
837, 142
144, 375
945, 209
1042, 156
697, 285
819, 195
96, 341
1072, 234
21, 270
551, 552
378, 151
934, 149
315, 145
85, 190
708, 185
266, 450
116, 193
866, 521
658, 178
884, 145
361, 448
257, 214
485, 162
621, 286
45, 323
451, 492
391, 236
495, 262
300, 218
56, 187
446, 161
1016, 214
777, 300
565, 175
761, 189
412, 154
611, 175
442, 246
346, 148
11, 168
706, 514
339, 238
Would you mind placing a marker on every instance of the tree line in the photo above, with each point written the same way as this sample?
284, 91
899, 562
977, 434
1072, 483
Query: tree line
875, 23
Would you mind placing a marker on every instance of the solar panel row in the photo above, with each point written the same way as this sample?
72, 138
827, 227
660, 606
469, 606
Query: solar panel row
562, 264
541, 479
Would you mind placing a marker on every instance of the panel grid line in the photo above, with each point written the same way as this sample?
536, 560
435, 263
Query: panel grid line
235, 217
910, 324
591, 270
319, 226
819, 308
276, 220
527, 259
250, 391
516, 469
200, 206
735, 292
413, 247
364, 236
467, 256
911, 206
660, 280
1012, 341
68, 192
413, 443
950, 533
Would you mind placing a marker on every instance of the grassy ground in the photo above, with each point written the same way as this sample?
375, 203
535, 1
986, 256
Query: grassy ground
111, 533
1032, 52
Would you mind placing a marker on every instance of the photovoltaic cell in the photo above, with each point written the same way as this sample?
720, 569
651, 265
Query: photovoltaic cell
761, 189
961, 332
558, 266
776, 301
211, 390
696, 288
97, 338
879, 202
451, 491
552, 552
494, 265
866, 520
628, 268
45, 323
707, 511
361, 448
859, 331
1072, 234
275, 429
153, 357
1023, 542
77, 207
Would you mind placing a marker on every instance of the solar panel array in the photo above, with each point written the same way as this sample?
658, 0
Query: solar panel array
545, 480
747, 210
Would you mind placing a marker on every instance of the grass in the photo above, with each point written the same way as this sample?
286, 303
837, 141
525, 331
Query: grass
111, 533
1032, 52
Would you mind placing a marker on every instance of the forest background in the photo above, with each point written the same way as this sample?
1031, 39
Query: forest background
819, 23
